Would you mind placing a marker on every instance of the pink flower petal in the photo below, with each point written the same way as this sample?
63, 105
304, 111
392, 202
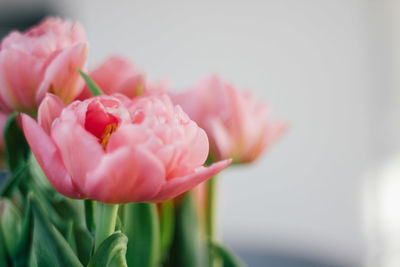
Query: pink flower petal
116, 75
81, 152
129, 174
179, 185
61, 77
49, 109
199, 146
49, 158
220, 139
20, 75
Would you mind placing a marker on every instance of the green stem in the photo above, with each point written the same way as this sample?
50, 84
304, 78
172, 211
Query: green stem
90, 207
210, 207
213, 260
142, 227
106, 216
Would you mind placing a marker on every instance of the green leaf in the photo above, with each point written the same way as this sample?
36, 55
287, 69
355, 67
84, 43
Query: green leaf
141, 226
70, 237
93, 87
229, 259
4, 259
68, 209
111, 252
60, 209
12, 184
17, 149
84, 243
167, 221
50, 247
23, 253
39, 178
60, 223
10, 225
188, 247
17, 154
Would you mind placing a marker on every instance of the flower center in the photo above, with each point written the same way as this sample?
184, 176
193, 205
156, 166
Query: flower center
100, 123
107, 134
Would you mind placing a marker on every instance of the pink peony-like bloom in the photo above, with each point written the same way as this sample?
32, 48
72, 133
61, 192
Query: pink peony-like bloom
43, 59
118, 150
118, 75
238, 126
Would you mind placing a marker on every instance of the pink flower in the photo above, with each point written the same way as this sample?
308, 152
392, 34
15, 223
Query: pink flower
238, 126
118, 75
42, 59
117, 150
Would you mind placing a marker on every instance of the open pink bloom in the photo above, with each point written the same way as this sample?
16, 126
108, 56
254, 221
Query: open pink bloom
238, 126
118, 75
42, 59
117, 150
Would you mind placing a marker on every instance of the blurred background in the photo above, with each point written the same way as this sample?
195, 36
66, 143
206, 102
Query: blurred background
327, 194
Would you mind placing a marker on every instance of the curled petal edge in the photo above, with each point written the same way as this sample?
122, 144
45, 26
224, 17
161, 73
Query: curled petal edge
179, 185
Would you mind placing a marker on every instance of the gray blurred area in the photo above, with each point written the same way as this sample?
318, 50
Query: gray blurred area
19, 15
327, 67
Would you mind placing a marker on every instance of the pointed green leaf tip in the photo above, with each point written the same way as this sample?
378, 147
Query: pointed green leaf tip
111, 253
93, 87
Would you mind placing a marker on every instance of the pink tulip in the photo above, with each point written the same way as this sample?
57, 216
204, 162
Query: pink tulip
118, 75
42, 59
117, 150
238, 126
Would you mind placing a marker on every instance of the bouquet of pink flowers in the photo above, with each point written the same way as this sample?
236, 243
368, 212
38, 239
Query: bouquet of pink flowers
108, 168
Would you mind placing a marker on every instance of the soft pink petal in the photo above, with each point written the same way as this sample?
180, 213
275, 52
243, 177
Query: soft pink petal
118, 75
220, 138
179, 185
274, 131
85, 94
128, 134
20, 75
61, 76
129, 174
81, 152
126, 101
49, 158
197, 141
49, 109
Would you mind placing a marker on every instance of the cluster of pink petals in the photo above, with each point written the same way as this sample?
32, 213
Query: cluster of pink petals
132, 144
238, 126
117, 150
117, 75
42, 59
